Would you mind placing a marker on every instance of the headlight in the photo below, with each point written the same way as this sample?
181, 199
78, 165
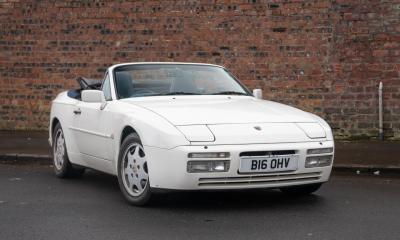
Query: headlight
209, 155
207, 166
312, 130
197, 133
319, 150
318, 161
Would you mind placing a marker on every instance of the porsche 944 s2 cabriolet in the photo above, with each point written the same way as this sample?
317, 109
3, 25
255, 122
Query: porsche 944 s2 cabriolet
186, 126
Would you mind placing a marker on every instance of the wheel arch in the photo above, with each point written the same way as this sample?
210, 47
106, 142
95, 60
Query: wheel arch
53, 124
125, 132
119, 139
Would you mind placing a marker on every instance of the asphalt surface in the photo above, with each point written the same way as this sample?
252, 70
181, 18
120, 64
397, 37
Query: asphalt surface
34, 204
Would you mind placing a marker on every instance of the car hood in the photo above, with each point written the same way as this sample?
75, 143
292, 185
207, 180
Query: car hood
210, 110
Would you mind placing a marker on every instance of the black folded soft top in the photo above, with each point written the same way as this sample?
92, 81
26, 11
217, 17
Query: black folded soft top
85, 84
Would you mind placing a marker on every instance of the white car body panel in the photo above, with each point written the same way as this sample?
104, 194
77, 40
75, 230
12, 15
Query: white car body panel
170, 127
268, 133
169, 168
220, 110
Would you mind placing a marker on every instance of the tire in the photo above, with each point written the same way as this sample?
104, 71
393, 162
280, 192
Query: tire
133, 176
301, 190
62, 166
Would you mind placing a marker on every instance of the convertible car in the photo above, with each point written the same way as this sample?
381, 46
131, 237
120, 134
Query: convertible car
186, 126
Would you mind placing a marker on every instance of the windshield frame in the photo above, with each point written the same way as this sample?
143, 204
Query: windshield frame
115, 69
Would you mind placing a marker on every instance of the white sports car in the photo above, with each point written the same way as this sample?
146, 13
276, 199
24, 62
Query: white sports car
186, 126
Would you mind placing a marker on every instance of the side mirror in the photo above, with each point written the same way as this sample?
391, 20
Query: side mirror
94, 96
257, 93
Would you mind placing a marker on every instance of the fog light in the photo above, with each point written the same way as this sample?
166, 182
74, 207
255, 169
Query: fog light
319, 150
207, 166
318, 161
209, 155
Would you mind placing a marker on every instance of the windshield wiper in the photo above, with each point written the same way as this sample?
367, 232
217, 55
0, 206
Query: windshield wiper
179, 93
229, 93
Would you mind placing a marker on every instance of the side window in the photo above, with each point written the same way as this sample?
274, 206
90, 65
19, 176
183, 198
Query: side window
106, 88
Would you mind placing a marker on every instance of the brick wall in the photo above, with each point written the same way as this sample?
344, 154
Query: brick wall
323, 56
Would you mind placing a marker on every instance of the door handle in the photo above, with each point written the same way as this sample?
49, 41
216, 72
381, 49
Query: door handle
77, 111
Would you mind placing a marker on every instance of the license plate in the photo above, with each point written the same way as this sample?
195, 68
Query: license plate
268, 164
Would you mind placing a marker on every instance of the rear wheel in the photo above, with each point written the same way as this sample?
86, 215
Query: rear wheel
302, 189
133, 174
62, 166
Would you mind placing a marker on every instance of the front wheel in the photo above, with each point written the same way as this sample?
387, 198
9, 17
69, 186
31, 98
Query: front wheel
301, 190
133, 174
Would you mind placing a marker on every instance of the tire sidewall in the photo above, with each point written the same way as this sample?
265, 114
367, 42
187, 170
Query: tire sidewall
64, 167
145, 196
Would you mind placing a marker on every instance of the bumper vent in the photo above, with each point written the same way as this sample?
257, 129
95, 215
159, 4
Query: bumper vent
259, 180
267, 153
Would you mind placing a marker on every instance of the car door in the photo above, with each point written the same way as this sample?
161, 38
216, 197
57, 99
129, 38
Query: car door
89, 126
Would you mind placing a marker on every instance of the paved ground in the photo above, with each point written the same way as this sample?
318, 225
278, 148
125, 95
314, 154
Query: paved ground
373, 153
36, 205
24, 142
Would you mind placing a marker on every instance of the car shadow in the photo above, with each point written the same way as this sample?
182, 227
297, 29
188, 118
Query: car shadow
237, 200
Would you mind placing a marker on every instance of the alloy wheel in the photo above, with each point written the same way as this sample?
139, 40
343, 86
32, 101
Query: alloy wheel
59, 150
134, 170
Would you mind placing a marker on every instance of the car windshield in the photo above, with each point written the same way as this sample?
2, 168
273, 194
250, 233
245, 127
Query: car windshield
175, 79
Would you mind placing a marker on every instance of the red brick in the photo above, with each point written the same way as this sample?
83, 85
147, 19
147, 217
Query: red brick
323, 56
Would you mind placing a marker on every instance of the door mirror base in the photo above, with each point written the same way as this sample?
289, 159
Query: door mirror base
103, 105
257, 93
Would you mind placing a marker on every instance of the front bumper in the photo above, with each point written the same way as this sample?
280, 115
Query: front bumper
168, 168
